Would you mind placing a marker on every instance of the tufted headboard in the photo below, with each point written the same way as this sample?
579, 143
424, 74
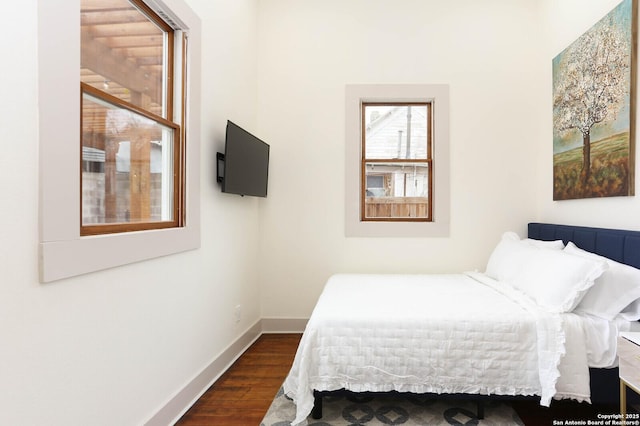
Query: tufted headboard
617, 244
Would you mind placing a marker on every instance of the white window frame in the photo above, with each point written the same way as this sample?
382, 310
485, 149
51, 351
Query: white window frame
63, 252
438, 95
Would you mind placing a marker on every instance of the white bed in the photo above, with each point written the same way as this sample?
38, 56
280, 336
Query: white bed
492, 333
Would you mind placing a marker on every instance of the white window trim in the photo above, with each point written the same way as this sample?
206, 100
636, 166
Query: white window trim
438, 94
63, 253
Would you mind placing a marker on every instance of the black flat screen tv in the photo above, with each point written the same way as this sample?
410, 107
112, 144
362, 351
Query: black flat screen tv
246, 163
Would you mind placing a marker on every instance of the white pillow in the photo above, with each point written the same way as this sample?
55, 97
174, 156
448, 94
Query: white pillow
505, 259
613, 291
554, 245
503, 264
555, 279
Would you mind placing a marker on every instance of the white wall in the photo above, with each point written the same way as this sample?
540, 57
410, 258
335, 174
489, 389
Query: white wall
486, 51
113, 347
568, 20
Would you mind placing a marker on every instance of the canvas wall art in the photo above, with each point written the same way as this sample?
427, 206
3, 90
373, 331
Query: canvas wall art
594, 110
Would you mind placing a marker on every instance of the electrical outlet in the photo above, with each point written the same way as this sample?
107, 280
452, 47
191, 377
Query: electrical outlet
237, 314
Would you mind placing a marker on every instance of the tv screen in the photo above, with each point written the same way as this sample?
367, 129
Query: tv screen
246, 163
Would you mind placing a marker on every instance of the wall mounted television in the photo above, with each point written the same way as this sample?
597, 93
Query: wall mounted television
244, 167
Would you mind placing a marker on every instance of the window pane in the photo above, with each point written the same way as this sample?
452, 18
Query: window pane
123, 53
127, 166
397, 190
396, 131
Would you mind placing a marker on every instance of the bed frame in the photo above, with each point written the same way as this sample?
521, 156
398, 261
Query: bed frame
620, 245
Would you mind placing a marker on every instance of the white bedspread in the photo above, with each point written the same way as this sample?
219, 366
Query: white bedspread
458, 333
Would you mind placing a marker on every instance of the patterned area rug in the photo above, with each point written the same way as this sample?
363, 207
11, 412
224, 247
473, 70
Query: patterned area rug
410, 410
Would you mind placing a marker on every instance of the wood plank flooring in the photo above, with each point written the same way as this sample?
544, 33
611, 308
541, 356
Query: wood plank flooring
242, 396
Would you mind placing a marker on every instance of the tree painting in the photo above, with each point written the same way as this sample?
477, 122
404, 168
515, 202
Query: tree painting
593, 105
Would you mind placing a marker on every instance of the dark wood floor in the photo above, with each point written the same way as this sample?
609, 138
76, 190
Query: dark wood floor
242, 396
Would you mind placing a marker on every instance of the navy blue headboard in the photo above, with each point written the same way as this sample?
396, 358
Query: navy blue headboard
617, 244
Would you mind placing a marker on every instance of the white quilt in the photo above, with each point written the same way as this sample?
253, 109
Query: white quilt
458, 333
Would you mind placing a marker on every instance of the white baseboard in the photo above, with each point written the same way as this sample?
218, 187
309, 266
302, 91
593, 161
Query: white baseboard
171, 412
175, 408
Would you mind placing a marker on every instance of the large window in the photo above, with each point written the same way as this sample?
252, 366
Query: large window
119, 147
397, 160
396, 164
130, 130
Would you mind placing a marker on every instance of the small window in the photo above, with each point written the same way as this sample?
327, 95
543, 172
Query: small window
396, 164
397, 181
131, 138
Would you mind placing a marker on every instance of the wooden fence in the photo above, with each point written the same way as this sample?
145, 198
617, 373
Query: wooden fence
396, 207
